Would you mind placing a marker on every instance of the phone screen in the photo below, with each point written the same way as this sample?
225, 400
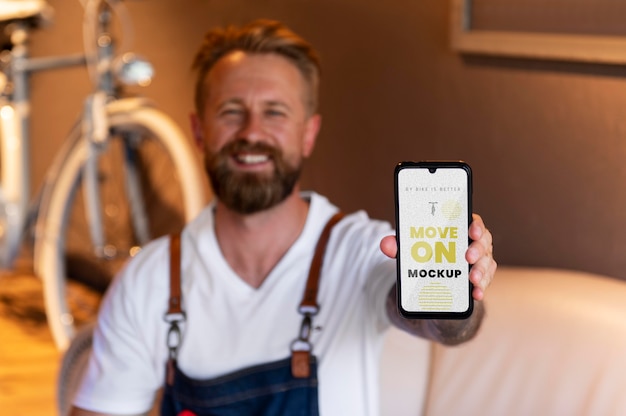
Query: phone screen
433, 212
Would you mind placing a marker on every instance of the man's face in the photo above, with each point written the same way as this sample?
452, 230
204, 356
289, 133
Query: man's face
255, 130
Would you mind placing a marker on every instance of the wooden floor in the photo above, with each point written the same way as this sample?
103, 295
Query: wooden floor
29, 360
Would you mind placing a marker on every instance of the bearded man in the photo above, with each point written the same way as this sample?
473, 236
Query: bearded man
256, 324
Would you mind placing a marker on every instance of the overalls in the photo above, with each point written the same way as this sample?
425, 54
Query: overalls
285, 387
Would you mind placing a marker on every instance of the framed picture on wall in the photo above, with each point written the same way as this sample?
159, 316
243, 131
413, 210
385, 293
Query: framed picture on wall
564, 30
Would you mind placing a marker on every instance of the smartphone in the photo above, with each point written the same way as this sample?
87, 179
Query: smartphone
433, 211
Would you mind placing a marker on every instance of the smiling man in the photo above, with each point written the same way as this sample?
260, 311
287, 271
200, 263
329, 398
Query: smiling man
257, 334
251, 114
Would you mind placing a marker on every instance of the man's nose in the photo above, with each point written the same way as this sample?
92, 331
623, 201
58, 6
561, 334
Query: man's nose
252, 128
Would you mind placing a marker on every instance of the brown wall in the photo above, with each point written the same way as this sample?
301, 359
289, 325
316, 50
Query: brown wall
546, 140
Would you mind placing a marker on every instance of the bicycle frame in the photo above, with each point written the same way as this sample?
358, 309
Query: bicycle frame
115, 133
15, 193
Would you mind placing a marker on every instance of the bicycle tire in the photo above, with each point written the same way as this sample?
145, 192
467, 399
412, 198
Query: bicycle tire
73, 366
60, 212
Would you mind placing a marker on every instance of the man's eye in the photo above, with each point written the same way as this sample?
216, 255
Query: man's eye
275, 113
231, 111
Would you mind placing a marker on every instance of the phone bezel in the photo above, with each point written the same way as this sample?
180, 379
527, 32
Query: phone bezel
432, 164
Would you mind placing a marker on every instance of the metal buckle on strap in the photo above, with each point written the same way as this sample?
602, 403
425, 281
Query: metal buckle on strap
310, 310
173, 339
174, 335
174, 317
301, 350
302, 343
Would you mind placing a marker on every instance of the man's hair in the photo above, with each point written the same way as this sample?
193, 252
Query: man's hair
260, 36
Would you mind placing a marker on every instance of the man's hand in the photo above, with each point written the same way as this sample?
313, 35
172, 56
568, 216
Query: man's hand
480, 255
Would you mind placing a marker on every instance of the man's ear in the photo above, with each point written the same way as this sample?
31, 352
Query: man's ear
196, 130
312, 129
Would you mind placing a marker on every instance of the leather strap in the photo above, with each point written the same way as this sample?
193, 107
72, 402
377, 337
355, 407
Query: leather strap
174, 315
301, 347
309, 299
174, 306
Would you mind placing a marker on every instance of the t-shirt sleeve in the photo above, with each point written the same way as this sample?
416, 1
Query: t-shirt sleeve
381, 279
123, 373
376, 271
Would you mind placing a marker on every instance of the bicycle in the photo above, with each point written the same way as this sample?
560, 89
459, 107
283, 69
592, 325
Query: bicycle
102, 198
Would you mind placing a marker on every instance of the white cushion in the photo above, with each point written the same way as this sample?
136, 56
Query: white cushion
553, 343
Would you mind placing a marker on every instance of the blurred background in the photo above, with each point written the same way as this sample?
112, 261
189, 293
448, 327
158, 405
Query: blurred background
546, 139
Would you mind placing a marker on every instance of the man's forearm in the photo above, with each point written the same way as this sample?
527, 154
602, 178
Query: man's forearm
445, 331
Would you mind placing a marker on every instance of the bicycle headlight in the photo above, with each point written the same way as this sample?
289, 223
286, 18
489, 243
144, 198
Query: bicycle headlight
131, 69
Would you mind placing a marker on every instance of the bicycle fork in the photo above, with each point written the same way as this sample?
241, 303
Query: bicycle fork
96, 131
14, 190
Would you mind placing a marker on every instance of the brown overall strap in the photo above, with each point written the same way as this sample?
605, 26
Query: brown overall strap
301, 347
309, 300
174, 306
174, 315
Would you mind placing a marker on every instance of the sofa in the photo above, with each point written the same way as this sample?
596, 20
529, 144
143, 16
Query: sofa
553, 342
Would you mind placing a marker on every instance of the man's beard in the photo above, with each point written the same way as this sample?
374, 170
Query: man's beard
250, 192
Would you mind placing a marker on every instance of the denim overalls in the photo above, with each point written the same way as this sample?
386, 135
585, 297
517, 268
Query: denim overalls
285, 387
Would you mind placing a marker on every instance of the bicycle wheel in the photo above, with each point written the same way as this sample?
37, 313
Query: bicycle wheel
73, 366
171, 191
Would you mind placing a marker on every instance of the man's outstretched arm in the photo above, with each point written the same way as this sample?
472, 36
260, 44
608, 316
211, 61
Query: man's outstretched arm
444, 331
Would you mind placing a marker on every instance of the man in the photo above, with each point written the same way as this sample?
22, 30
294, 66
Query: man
245, 262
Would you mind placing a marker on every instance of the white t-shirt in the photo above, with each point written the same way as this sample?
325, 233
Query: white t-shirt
231, 325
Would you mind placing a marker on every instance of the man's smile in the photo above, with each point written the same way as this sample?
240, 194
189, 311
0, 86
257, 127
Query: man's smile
251, 158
